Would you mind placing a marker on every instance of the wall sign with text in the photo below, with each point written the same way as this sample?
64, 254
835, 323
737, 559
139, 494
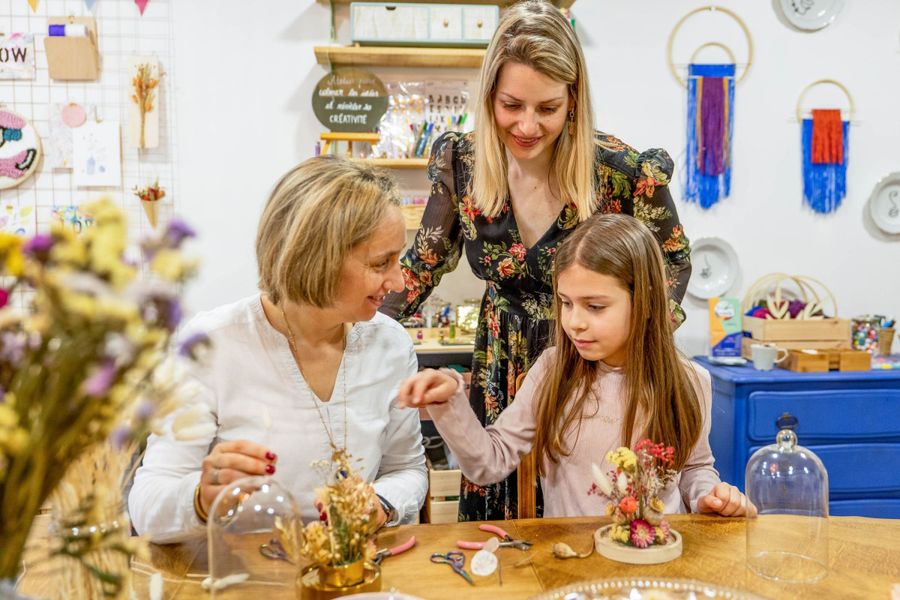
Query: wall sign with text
350, 100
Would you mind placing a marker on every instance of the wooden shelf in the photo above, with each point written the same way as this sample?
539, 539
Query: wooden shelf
501, 3
469, 58
397, 163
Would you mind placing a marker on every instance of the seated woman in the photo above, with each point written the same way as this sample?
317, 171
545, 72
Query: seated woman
304, 367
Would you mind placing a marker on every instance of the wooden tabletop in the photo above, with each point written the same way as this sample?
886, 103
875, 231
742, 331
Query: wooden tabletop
864, 562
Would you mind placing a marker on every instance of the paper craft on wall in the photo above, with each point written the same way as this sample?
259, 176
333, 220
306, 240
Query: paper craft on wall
17, 56
72, 217
710, 116
150, 195
63, 119
17, 219
142, 5
20, 149
143, 110
825, 142
97, 158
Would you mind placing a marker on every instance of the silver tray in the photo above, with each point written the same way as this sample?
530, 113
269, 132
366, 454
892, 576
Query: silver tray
657, 588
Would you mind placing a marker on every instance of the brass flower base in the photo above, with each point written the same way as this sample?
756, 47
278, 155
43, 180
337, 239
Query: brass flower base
316, 582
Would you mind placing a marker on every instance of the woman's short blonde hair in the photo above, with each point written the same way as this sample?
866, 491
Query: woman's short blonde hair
535, 34
316, 214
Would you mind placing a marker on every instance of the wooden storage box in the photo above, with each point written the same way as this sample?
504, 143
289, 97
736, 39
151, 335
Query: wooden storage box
412, 215
793, 330
442, 502
820, 361
73, 58
385, 23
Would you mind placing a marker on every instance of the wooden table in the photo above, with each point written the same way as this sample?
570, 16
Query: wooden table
864, 562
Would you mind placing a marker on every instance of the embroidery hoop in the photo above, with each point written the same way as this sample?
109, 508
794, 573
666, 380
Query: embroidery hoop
834, 82
711, 8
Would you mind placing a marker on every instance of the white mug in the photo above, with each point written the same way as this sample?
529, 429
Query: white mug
766, 357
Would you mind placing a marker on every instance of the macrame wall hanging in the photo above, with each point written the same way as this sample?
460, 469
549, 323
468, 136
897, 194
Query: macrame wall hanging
710, 115
825, 145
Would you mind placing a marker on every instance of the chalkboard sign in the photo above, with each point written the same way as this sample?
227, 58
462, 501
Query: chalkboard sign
350, 100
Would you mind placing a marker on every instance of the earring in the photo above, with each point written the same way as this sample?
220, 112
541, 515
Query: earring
572, 122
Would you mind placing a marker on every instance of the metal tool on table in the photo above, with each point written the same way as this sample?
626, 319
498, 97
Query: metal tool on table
456, 560
273, 550
506, 541
386, 552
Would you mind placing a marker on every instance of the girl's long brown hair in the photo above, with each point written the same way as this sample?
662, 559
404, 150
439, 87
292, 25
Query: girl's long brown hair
657, 382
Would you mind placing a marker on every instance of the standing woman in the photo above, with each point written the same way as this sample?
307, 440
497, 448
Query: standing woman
511, 192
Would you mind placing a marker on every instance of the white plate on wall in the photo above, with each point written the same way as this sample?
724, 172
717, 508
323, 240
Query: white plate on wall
884, 204
811, 15
714, 267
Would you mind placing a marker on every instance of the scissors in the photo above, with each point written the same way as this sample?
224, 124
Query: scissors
456, 560
383, 554
506, 540
274, 550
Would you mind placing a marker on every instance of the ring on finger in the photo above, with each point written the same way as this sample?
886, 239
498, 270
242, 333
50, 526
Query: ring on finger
214, 478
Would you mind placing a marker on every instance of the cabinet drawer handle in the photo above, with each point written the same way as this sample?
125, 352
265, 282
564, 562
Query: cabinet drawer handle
479, 24
446, 22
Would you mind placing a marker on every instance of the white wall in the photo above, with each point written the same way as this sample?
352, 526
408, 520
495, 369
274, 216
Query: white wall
245, 79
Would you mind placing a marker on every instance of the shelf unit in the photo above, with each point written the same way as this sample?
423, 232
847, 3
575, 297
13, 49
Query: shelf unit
398, 163
500, 3
417, 57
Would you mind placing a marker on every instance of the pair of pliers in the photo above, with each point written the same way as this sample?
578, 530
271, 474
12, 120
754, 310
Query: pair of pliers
506, 541
383, 554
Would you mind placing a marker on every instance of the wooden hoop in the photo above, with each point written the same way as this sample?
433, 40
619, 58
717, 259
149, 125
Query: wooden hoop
833, 82
711, 8
714, 45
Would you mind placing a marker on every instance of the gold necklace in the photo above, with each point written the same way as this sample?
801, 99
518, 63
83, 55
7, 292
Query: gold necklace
293, 345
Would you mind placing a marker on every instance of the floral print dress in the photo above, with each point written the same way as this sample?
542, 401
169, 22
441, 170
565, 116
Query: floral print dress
514, 325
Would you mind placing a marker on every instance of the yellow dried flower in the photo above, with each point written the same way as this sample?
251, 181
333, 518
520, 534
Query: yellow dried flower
623, 458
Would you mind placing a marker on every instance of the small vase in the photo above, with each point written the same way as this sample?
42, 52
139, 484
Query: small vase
651, 555
318, 582
99, 545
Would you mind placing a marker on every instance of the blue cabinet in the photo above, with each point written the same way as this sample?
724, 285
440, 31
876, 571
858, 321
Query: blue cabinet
850, 420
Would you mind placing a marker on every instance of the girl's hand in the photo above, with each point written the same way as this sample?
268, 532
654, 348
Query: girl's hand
726, 500
426, 387
230, 461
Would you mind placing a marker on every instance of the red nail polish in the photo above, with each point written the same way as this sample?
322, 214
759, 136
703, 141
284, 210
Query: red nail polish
270, 455
270, 469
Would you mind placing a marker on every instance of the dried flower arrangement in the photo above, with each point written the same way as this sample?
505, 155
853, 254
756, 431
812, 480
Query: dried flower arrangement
143, 86
149, 195
79, 367
633, 487
344, 535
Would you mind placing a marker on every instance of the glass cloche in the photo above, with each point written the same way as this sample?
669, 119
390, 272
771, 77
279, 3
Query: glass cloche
787, 538
245, 552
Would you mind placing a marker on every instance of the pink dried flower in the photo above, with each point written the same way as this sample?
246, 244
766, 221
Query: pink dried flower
642, 533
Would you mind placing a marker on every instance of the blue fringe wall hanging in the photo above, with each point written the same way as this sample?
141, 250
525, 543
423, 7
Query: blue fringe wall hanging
710, 130
825, 160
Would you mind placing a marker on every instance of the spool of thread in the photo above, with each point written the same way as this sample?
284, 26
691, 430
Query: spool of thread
69, 30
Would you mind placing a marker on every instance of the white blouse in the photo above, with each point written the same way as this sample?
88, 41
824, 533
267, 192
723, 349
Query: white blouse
254, 391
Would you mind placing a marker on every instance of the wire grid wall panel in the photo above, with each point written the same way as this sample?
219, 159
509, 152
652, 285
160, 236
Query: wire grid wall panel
121, 33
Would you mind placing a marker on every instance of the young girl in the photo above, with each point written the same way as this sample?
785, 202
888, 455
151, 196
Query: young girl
612, 378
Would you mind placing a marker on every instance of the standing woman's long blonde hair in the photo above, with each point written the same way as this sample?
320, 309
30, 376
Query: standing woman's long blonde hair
535, 34
658, 383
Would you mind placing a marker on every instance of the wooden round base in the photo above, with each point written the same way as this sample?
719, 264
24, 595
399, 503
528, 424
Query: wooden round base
651, 555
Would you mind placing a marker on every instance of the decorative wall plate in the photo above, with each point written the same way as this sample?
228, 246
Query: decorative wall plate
20, 149
811, 15
884, 204
714, 267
